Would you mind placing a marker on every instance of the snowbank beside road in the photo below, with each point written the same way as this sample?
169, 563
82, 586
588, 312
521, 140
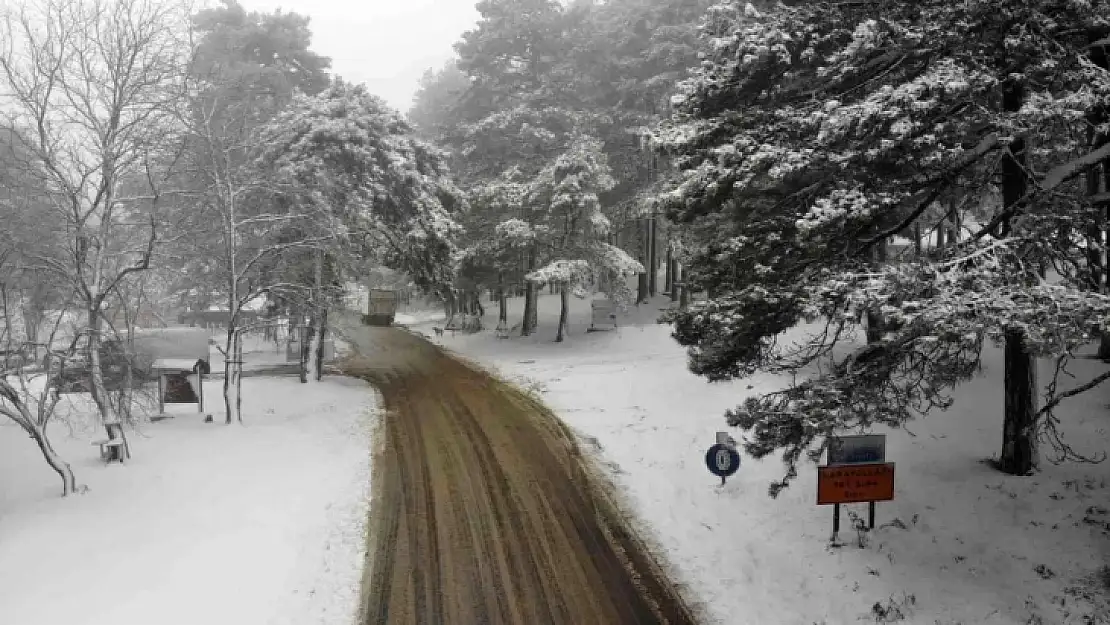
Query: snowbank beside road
259, 524
960, 544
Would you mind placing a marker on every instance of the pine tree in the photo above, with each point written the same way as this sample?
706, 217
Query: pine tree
813, 134
581, 257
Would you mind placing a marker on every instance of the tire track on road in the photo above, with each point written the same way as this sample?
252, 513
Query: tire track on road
484, 510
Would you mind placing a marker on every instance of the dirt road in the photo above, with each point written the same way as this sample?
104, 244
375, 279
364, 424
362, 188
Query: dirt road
484, 512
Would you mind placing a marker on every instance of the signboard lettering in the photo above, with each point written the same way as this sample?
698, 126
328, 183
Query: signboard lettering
855, 483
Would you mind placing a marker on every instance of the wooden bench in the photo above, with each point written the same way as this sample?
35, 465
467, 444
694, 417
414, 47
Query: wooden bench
106, 446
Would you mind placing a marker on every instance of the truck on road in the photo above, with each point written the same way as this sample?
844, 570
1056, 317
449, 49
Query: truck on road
382, 308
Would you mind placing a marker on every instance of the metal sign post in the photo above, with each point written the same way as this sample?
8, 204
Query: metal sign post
855, 471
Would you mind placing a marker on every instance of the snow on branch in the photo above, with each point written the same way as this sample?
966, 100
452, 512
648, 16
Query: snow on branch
561, 272
516, 232
616, 260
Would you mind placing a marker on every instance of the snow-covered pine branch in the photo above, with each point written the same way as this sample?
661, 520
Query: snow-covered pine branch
814, 133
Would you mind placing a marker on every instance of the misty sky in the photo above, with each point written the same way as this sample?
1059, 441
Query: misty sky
386, 44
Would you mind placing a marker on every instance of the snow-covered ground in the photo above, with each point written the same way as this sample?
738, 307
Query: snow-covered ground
961, 543
259, 524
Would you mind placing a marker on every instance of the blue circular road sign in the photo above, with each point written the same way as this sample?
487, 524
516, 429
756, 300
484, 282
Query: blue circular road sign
722, 460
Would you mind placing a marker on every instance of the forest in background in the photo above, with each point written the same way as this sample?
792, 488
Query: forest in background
912, 180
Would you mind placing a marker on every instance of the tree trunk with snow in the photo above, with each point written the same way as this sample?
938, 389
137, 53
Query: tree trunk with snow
668, 275
233, 367
529, 322
676, 278
874, 316
642, 294
313, 345
954, 219
16, 408
59, 466
1096, 261
1019, 432
1104, 213
502, 303
1019, 435
564, 312
479, 310
315, 352
319, 341
306, 340
109, 417
684, 291
653, 260
127, 393
239, 376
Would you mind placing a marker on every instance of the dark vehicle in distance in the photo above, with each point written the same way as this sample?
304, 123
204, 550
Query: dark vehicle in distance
72, 368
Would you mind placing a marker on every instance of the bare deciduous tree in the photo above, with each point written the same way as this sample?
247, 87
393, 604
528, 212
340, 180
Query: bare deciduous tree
29, 396
87, 87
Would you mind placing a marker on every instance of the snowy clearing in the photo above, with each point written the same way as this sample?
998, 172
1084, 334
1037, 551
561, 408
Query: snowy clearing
255, 524
961, 543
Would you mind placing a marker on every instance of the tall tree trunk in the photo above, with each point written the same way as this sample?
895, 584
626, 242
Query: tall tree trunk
668, 275
321, 333
1094, 226
1105, 215
230, 395
642, 287
954, 220
232, 364
527, 326
653, 260
316, 345
916, 239
109, 417
233, 373
238, 382
307, 328
676, 278
940, 236
1019, 436
874, 316
502, 303
127, 392
529, 322
1099, 225
564, 312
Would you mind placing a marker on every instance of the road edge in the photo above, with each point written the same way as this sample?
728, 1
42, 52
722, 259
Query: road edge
612, 506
